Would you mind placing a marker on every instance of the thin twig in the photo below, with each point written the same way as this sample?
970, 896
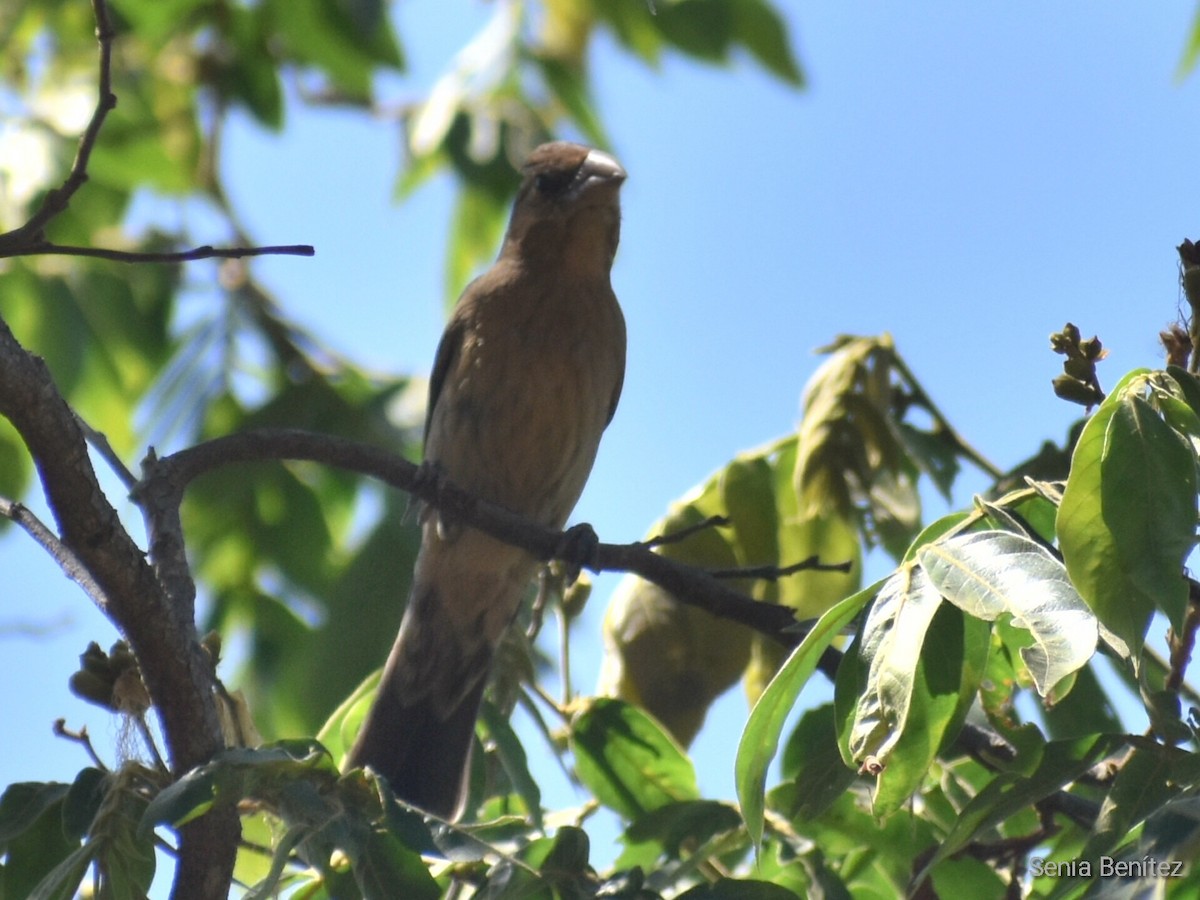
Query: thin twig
674, 537
99, 441
46, 248
56, 201
774, 573
82, 738
1182, 644
71, 565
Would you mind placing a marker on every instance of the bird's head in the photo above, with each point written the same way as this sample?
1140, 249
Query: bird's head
567, 205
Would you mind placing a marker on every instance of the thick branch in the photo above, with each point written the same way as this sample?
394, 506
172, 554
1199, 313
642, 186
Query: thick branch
177, 673
167, 478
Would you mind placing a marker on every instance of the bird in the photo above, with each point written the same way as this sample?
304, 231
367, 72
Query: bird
525, 381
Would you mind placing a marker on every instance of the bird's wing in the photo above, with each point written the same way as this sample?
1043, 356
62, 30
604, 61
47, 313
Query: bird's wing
447, 352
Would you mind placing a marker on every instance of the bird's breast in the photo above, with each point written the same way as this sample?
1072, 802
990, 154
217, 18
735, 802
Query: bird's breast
520, 416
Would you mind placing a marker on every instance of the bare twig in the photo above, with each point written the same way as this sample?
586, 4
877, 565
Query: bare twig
774, 573
82, 738
56, 201
71, 565
100, 442
674, 537
29, 239
45, 248
1184, 643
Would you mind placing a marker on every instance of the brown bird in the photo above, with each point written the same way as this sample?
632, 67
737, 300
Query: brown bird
526, 379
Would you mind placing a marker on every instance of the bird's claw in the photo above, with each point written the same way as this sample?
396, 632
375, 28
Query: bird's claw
577, 549
450, 506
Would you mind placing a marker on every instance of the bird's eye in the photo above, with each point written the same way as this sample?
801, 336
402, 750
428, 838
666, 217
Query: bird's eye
552, 182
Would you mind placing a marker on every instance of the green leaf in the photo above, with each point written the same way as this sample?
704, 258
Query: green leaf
813, 763
892, 638
633, 27
23, 803
1149, 501
38, 853
1006, 794
738, 889
1128, 513
512, 756
345, 39
671, 831
758, 27
1191, 52
993, 573
63, 881
1087, 709
760, 739
748, 495
1150, 777
386, 868
569, 85
944, 686
626, 760
269, 772
479, 218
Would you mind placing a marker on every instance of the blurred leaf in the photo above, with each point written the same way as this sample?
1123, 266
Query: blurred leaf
758, 27
760, 739
386, 868
569, 86
669, 658
150, 140
748, 495
36, 849
154, 22
244, 69
1191, 51
508, 747
347, 40
479, 219
934, 453
626, 761
737, 889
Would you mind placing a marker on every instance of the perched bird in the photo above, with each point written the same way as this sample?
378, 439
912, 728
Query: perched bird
526, 379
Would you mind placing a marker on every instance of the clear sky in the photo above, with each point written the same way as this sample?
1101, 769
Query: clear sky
968, 177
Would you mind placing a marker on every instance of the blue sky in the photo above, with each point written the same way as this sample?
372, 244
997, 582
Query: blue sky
968, 177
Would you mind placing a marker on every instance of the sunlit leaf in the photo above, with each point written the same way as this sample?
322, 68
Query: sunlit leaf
893, 636
993, 573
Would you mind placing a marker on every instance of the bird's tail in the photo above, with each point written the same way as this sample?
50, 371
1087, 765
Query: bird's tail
419, 734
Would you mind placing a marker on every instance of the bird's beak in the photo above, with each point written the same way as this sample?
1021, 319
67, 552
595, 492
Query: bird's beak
598, 168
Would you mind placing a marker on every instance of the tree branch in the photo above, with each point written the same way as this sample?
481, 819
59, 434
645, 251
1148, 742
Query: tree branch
46, 248
177, 673
164, 481
95, 549
29, 239
20, 515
